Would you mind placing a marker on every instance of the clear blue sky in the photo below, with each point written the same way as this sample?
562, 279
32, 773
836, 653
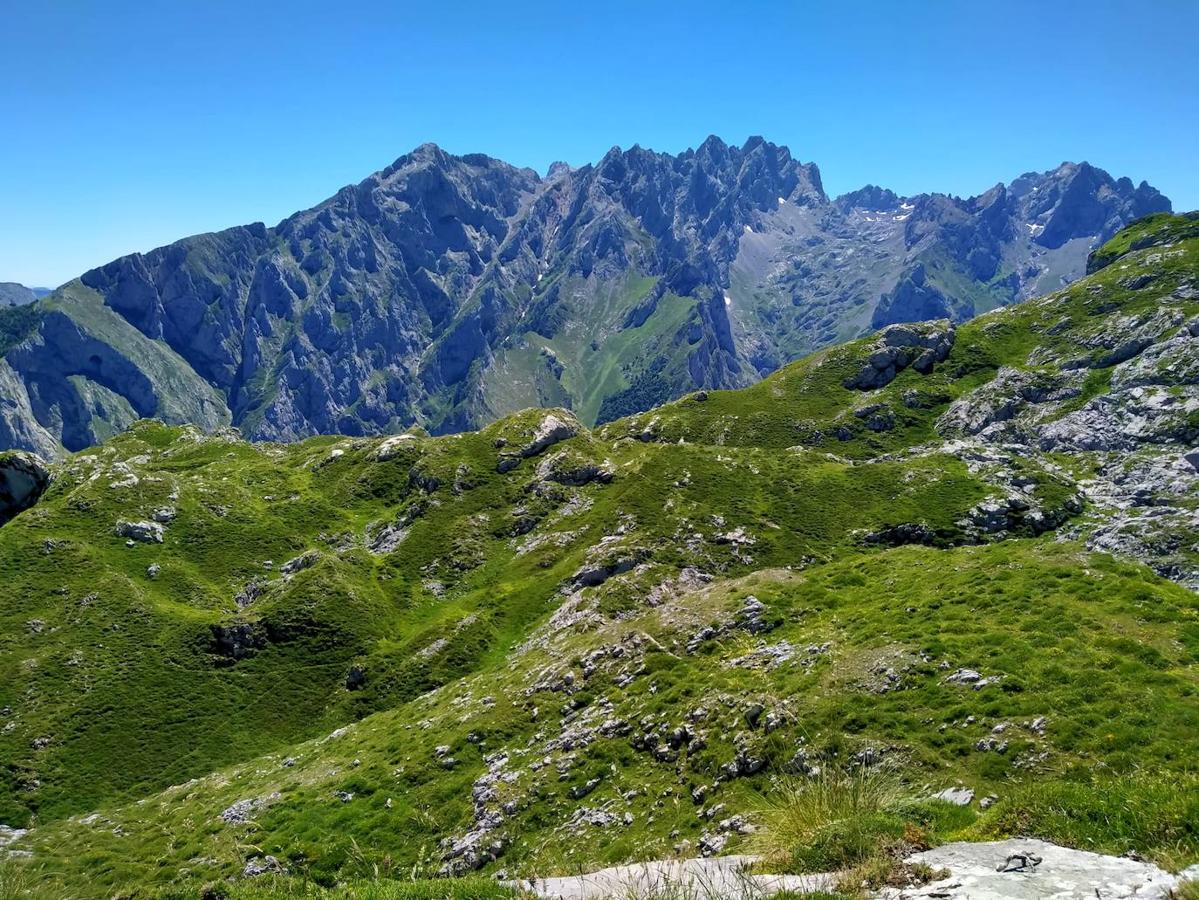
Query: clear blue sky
127, 125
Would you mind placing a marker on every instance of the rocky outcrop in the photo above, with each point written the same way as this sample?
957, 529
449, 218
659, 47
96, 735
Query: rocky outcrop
236, 641
1017, 869
553, 428
1135, 434
23, 480
920, 346
141, 532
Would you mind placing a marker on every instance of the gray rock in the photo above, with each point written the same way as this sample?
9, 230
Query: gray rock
897, 347
992, 871
24, 477
958, 796
141, 532
262, 865
709, 878
244, 810
300, 563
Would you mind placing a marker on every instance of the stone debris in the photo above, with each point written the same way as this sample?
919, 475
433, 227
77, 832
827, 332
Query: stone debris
262, 865
972, 678
244, 810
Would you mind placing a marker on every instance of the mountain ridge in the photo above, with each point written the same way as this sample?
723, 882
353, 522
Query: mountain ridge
446, 291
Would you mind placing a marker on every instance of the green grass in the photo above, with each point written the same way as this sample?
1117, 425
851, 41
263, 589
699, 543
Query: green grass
1154, 814
1151, 231
17, 323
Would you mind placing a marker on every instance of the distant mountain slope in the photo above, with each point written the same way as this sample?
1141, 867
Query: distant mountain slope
446, 291
962, 554
13, 294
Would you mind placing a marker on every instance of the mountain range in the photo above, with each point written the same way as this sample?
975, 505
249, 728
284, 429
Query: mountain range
446, 291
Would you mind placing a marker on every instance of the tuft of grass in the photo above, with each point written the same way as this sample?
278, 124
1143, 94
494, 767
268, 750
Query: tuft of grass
831, 821
22, 879
862, 823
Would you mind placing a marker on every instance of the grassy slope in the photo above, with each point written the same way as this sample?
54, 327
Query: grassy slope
117, 654
93, 676
598, 358
803, 404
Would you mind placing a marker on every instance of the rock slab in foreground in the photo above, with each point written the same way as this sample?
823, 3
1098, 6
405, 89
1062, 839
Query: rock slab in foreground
975, 874
715, 878
1062, 874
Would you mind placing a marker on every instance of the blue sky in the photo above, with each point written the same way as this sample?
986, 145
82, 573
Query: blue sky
128, 125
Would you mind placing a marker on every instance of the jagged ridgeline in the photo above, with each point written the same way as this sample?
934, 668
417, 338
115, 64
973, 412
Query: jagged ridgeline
962, 553
448, 291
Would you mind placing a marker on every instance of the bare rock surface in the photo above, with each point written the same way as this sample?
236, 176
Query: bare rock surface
991, 871
697, 879
1015, 869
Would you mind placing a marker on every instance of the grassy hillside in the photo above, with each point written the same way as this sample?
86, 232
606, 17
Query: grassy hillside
538, 648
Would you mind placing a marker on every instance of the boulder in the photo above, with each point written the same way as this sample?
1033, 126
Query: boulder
24, 477
920, 346
141, 532
554, 427
959, 796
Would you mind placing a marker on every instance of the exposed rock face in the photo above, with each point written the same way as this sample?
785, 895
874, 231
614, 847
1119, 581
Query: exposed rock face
920, 346
13, 294
1138, 432
710, 878
1059, 872
428, 292
23, 480
555, 427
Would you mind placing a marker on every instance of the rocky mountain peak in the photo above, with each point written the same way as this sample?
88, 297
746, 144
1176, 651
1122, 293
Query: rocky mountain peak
446, 290
870, 197
1081, 200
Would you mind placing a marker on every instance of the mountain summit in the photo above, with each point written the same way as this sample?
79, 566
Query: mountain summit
447, 291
